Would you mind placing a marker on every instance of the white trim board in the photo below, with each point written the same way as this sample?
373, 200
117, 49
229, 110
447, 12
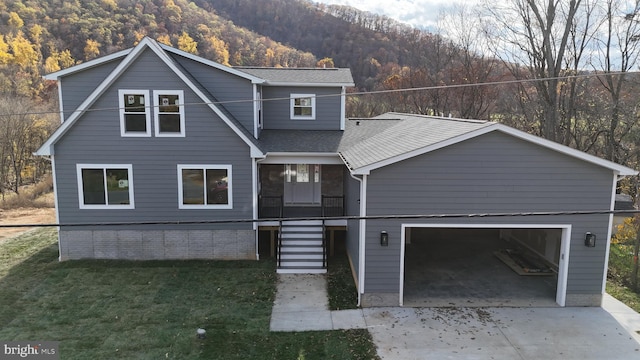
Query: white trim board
563, 266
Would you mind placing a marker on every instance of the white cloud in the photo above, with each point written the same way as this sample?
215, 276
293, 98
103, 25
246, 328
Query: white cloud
419, 13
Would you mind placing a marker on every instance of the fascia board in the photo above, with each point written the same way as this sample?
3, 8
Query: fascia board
89, 64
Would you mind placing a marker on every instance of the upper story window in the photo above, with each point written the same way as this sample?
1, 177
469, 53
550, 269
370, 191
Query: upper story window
169, 112
135, 117
303, 106
204, 187
105, 186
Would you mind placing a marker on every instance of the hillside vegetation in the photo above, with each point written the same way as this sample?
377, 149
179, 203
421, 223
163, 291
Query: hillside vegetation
594, 114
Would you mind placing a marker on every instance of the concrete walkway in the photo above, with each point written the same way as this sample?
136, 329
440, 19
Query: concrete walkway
302, 304
610, 332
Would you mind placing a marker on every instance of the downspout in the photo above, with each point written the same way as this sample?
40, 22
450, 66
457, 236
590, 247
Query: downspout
612, 207
256, 190
362, 226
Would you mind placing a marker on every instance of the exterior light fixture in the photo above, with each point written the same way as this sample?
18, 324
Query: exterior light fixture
384, 238
589, 239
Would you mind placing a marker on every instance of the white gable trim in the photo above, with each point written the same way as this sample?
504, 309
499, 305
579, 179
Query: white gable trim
242, 74
89, 64
617, 168
47, 147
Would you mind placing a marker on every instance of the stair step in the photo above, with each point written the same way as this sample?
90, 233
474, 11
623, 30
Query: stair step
301, 256
301, 236
300, 263
301, 271
302, 223
309, 242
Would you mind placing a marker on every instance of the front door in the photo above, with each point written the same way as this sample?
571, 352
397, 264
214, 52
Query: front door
302, 184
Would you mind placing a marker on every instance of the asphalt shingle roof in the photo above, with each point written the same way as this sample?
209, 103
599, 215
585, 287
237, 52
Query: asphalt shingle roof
369, 141
317, 141
335, 76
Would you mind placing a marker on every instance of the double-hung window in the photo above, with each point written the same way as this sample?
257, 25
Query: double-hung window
105, 186
135, 117
204, 187
303, 106
169, 113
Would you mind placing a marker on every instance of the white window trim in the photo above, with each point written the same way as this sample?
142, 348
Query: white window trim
156, 112
313, 107
229, 205
121, 107
80, 167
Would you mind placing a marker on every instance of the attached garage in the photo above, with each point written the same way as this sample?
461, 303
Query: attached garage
484, 265
452, 209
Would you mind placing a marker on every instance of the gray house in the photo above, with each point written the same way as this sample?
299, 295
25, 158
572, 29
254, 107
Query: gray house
192, 159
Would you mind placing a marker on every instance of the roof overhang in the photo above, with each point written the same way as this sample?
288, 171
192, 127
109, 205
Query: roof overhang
295, 84
618, 169
301, 158
87, 65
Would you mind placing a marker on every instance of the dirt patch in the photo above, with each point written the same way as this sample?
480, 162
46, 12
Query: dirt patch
24, 216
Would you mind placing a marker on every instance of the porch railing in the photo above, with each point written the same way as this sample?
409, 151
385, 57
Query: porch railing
271, 206
324, 245
332, 205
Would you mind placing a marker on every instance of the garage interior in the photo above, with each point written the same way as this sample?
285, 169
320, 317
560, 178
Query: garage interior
471, 267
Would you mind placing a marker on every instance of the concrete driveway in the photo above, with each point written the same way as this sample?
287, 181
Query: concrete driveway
496, 333
499, 333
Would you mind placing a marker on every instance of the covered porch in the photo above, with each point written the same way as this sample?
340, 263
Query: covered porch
301, 190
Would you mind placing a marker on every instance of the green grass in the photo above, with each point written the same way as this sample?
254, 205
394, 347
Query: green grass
151, 310
340, 284
624, 294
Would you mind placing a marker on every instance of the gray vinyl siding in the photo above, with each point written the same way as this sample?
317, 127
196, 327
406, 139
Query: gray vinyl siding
277, 113
95, 139
491, 173
352, 203
76, 87
224, 87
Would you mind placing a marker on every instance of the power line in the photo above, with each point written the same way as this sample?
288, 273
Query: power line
330, 218
358, 93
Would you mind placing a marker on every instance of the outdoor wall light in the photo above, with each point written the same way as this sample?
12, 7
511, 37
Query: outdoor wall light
384, 238
201, 333
590, 239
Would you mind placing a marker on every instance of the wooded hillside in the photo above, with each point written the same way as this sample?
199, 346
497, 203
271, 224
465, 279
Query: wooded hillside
408, 70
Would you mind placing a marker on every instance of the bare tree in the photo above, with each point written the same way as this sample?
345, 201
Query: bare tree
21, 133
535, 33
617, 54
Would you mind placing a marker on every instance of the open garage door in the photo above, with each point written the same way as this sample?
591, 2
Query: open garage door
484, 265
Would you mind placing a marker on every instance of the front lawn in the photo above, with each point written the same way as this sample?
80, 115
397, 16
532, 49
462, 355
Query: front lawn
151, 310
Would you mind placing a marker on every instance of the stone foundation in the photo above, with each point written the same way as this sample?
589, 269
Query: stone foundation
379, 299
583, 300
157, 244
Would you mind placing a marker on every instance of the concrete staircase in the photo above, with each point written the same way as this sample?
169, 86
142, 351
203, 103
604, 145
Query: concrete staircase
301, 247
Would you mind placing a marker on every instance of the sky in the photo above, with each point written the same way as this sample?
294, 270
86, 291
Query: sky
419, 13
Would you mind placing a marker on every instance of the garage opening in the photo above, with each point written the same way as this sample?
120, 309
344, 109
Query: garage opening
478, 266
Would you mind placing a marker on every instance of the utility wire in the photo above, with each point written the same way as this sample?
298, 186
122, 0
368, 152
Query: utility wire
330, 218
358, 93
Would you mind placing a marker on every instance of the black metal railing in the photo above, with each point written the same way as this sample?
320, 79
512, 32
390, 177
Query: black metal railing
332, 205
270, 206
324, 245
279, 254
